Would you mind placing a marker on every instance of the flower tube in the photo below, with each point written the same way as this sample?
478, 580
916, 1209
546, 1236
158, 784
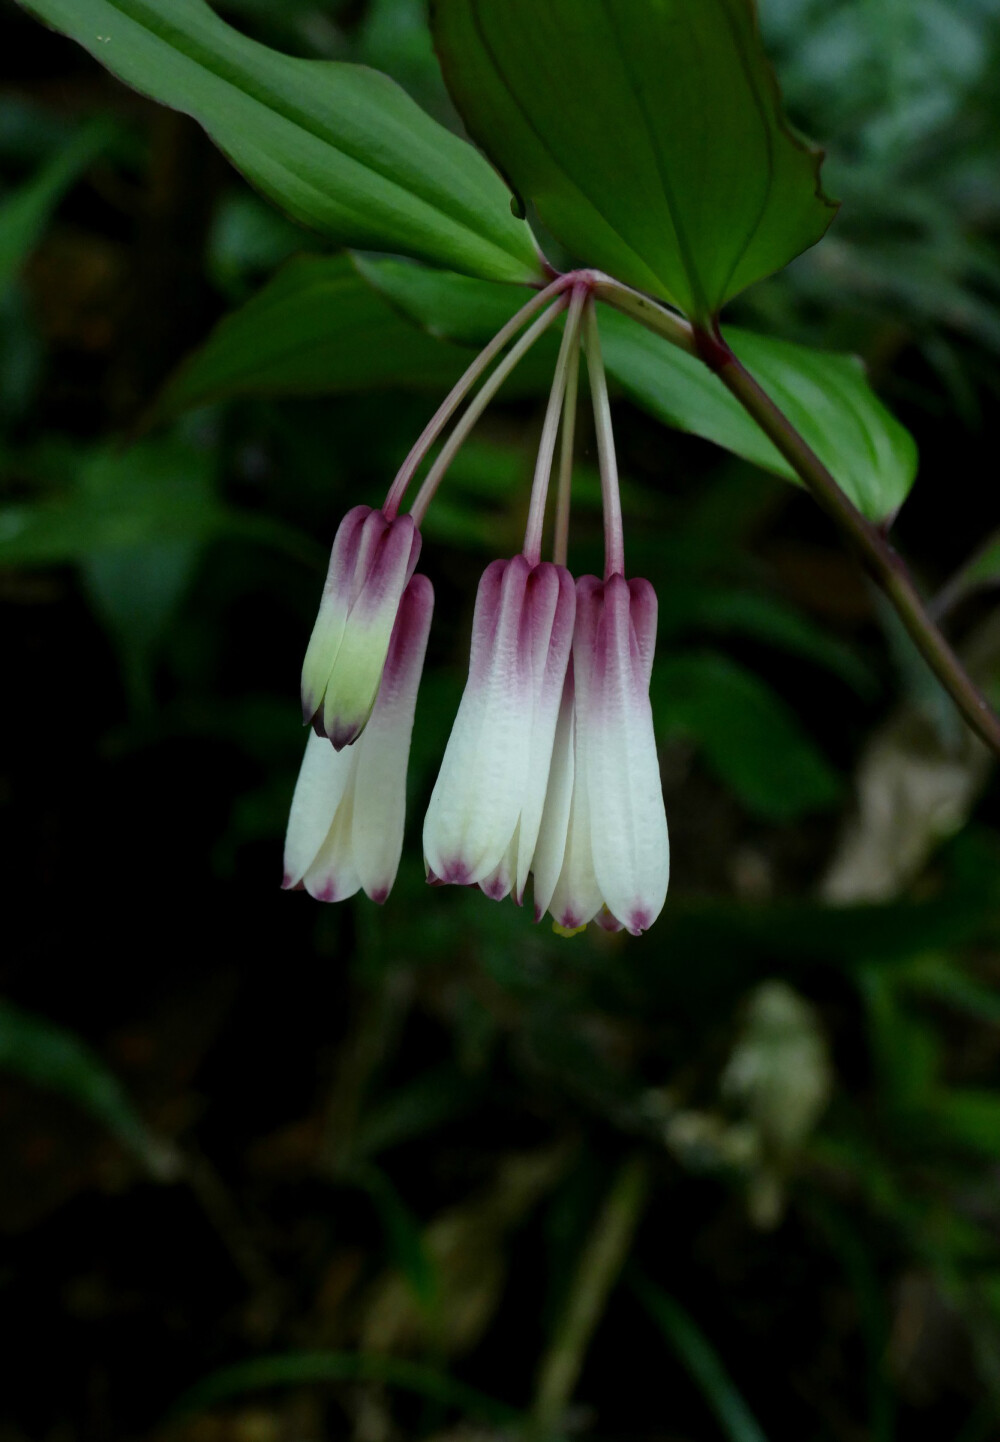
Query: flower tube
371, 562
603, 849
485, 811
345, 830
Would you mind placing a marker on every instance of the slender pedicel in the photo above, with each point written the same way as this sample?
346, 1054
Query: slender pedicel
476, 407
461, 388
568, 351
614, 542
560, 540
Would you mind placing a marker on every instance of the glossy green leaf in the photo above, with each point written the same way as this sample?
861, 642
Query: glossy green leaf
747, 734
340, 147
647, 133
49, 1056
826, 396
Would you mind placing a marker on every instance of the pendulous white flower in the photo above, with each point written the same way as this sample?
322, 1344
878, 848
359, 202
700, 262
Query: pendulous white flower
371, 562
345, 830
484, 813
603, 849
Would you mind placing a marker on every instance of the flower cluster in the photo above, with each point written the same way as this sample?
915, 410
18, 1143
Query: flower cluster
550, 771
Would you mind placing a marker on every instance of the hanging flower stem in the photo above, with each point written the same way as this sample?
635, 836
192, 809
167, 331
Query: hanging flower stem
869, 542
550, 428
560, 542
461, 389
614, 539
476, 407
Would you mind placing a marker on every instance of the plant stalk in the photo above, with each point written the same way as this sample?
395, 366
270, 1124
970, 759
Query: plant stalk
868, 542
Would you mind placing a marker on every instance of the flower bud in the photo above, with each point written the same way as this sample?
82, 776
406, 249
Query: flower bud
371, 562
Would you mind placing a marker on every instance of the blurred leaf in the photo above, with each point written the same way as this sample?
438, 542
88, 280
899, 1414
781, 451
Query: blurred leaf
316, 327
25, 213
749, 737
597, 1271
49, 1056
700, 1359
248, 240
152, 494
688, 201
971, 1117
945, 980
304, 1369
733, 612
468, 1247
342, 148
859, 1264
420, 1106
906, 1050
402, 1232
979, 573
395, 37
826, 396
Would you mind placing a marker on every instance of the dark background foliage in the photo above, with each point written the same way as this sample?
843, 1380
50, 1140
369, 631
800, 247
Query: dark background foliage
742, 1175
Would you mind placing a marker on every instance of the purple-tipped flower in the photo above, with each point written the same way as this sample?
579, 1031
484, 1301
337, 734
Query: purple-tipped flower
486, 808
603, 850
345, 831
371, 562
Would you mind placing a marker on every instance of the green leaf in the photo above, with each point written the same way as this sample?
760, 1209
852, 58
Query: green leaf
403, 1234
25, 213
50, 1056
452, 307
647, 134
739, 612
302, 1369
341, 148
154, 494
317, 327
971, 1117
682, 1334
749, 737
826, 396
